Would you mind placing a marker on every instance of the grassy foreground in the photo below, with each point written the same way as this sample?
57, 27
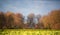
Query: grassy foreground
29, 32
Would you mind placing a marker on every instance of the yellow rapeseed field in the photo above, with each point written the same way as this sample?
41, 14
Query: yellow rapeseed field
29, 32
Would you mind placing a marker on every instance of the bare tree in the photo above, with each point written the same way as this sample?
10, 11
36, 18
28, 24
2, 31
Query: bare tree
30, 20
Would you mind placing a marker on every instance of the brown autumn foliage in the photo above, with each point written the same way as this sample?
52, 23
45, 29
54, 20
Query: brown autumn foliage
18, 20
52, 20
11, 20
2, 20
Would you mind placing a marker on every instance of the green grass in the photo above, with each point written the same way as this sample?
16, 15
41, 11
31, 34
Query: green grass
29, 32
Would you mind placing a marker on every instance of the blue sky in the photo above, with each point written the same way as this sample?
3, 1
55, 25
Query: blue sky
29, 6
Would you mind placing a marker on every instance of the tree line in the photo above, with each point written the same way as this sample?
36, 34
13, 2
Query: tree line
10, 20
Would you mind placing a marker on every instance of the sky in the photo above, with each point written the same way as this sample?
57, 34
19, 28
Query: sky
25, 7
